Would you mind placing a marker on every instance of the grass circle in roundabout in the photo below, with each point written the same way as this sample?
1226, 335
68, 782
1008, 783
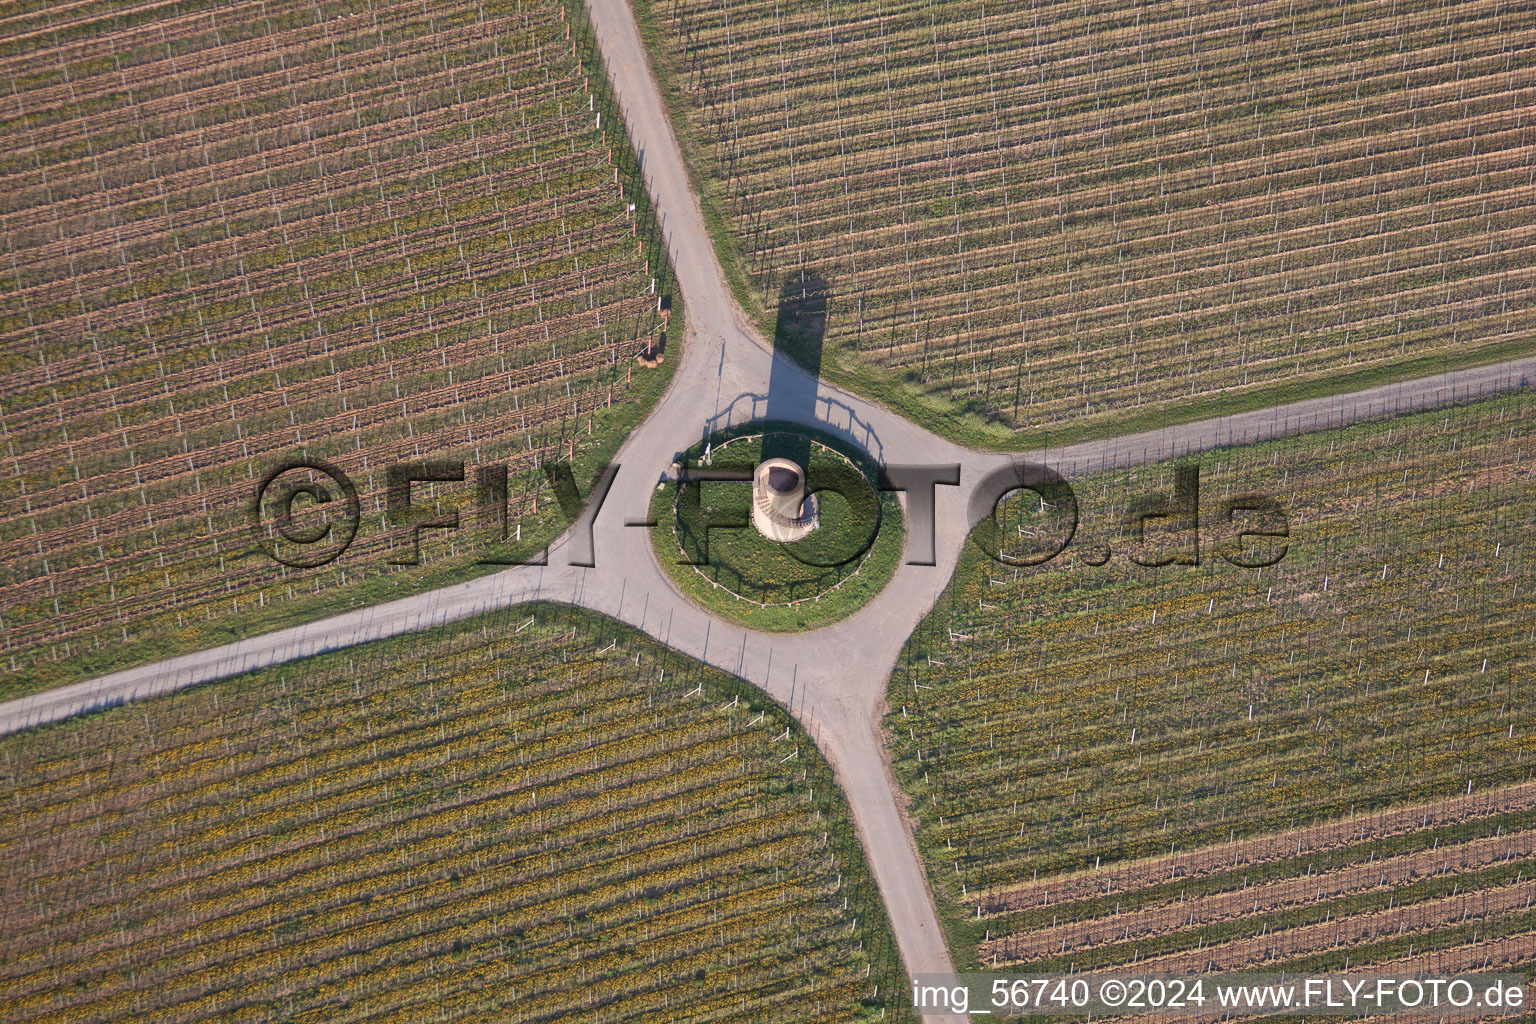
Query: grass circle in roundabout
705, 541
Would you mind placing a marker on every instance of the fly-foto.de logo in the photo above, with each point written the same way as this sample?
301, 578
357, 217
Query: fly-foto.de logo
306, 513
1028, 515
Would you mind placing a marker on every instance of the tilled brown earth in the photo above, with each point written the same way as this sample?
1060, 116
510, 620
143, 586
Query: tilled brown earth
1263, 898
1259, 850
1343, 933
1453, 906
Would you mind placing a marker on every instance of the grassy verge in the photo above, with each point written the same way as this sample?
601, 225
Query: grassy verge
755, 582
701, 171
1230, 403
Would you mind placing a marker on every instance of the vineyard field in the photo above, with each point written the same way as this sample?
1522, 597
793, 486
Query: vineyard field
1068, 220
324, 232
1088, 747
533, 815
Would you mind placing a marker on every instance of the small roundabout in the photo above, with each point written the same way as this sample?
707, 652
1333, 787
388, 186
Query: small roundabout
777, 527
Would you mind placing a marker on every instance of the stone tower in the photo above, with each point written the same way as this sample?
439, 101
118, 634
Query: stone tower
781, 510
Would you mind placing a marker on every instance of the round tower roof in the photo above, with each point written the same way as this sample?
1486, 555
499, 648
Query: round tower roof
783, 479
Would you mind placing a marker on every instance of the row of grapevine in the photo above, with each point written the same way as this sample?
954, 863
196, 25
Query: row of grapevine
367, 238
1065, 215
524, 816
1058, 726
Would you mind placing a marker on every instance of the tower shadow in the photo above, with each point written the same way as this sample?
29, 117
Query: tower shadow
798, 335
